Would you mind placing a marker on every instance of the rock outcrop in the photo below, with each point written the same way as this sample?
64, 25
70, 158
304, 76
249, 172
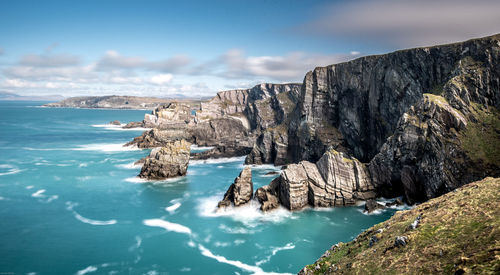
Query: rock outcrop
240, 192
335, 180
167, 162
158, 138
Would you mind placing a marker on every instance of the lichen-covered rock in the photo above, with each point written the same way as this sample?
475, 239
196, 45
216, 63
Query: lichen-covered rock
167, 162
335, 180
240, 192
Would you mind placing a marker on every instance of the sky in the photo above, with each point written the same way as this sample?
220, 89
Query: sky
197, 48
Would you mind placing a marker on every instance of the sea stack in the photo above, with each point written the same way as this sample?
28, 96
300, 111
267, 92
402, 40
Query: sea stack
168, 161
241, 191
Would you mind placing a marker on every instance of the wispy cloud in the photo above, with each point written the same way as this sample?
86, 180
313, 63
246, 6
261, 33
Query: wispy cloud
405, 23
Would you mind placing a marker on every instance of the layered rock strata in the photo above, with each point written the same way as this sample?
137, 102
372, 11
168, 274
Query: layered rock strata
168, 161
335, 180
240, 192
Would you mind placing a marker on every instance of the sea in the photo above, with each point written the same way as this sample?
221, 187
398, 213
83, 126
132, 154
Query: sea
70, 203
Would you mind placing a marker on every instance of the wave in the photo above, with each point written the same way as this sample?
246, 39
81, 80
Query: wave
88, 269
171, 209
71, 205
119, 127
221, 259
39, 193
249, 214
136, 180
131, 165
106, 147
10, 169
137, 244
275, 250
169, 226
217, 160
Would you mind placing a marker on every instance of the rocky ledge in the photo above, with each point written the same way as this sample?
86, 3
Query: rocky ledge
168, 161
456, 233
240, 192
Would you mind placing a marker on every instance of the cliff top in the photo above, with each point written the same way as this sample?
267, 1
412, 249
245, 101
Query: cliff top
457, 232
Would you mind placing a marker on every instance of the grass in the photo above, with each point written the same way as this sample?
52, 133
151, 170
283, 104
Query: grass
481, 138
459, 231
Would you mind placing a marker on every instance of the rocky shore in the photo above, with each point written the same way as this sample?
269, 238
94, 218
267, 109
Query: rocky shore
415, 123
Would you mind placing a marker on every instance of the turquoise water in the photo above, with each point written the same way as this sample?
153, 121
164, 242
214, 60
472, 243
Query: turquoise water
70, 204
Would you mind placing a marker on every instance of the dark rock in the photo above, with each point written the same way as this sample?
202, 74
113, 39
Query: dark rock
373, 240
221, 151
372, 205
268, 196
271, 173
240, 192
167, 162
400, 241
396, 202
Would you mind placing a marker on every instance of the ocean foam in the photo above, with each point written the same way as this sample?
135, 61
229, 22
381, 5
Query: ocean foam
136, 180
275, 250
130, 165
92, 222
39, 193
195, 147
119, 127
106, 147
88, 269
136, 245
10, 169
248, 214
167, 226
221, 259
218, 160
171, 209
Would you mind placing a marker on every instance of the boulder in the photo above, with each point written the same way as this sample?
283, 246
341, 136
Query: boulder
115, 122
372, 205
241, 191
167, 162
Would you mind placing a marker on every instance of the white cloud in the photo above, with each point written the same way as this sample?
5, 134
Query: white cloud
161, 79
405, 23
49, 60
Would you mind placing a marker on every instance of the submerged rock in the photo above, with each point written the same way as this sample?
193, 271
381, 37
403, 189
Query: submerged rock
241, 191
167, 162
115, 122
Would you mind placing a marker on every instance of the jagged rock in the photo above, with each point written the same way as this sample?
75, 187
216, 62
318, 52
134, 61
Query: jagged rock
268, 196
372, 205
167, 162
157, 138
270, 147
400, 241
396, 202
335, 180
133, 124
241, 191
172, 115
115, 122
226, 131
222, 152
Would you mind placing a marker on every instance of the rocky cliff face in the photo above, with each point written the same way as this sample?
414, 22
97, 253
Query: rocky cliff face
167, 162
240, 192
335, 180
355, 106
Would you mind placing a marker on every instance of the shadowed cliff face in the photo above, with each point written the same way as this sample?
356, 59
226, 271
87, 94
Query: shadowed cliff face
355, 106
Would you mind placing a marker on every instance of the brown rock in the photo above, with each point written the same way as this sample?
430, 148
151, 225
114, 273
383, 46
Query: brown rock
167, 162
241, 191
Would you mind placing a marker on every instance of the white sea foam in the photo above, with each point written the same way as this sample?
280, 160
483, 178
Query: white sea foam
239, 241
218, 160
171, 209
10, 169
88, 269
169, 226
136, 245
119, 127
30, 187
92, 222
136, 180
39, 193
83, 164
84, 178
249, 214
130, 165
195, 147
275, 250
106, 147
51, 198
221, 259
222, 244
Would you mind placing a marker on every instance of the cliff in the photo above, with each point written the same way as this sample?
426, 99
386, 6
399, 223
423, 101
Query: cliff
456, 233
116, 102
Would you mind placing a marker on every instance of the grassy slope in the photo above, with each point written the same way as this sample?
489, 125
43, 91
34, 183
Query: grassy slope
459, 231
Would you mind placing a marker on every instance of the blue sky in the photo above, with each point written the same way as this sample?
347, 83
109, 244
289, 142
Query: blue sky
163, 48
